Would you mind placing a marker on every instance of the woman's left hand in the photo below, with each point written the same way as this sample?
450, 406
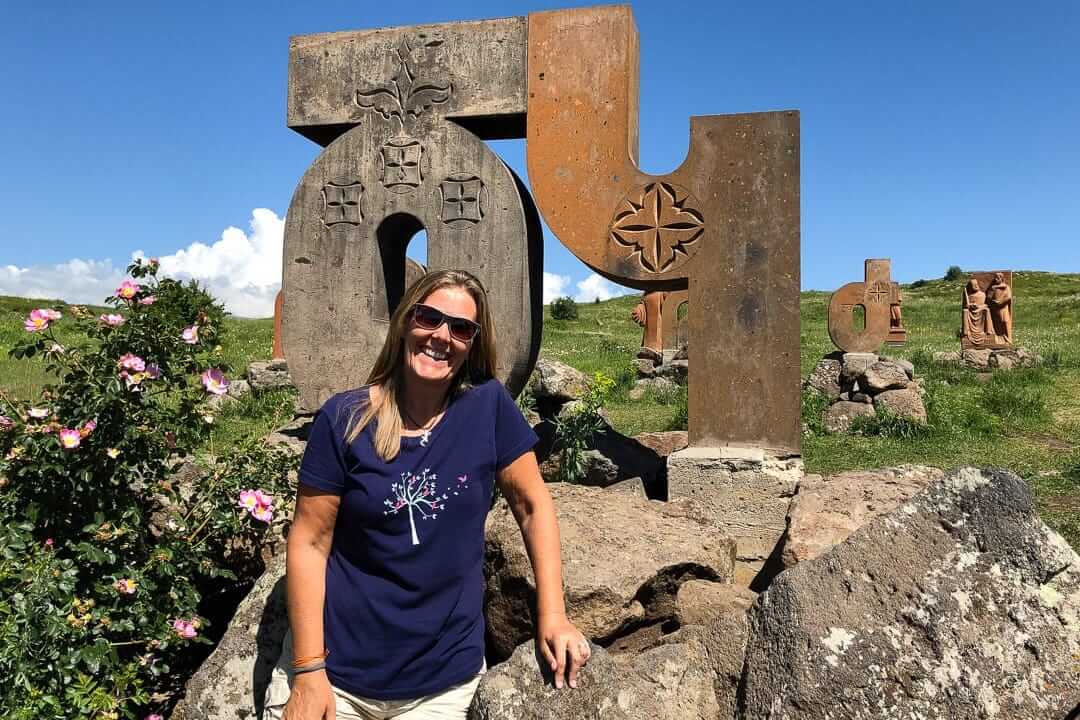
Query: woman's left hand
563, 647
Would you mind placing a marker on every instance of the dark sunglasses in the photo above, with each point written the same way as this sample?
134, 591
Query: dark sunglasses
429, 318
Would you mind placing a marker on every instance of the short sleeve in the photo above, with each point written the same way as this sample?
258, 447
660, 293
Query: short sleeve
323, 464
513, 436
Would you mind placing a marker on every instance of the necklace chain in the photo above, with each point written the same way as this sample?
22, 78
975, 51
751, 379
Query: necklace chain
425, 427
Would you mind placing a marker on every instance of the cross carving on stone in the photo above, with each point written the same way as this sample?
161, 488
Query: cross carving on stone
341, 202
461, 198
401, 164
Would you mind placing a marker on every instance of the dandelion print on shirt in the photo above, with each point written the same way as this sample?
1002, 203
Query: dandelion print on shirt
420, 493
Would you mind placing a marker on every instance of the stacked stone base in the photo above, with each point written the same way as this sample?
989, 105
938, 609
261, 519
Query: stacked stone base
987, 359
864, 384
659, 371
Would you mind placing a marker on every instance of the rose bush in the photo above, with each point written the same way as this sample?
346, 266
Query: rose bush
109, 568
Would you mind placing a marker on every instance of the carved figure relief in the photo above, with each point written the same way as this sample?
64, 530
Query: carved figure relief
461, 199
407, 93
897, 331
401, 171
647, 314
341, 202
986, 315
658, 222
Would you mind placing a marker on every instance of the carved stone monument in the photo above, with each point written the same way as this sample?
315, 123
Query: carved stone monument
986, 319
876, 295
897, 332
403, 113
658, 314
724, 225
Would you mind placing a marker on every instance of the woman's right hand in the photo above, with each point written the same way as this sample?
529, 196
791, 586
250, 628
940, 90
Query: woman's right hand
312, 698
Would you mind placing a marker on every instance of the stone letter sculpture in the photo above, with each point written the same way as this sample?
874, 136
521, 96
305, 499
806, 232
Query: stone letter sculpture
647, 314
724, 225
986, 315
897, 332
875, 294
403, 113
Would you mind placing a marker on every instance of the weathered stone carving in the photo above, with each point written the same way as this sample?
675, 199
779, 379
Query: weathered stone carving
461, 198
725, 224
897, 332
380, 100
986, 315
876, 295
647, 314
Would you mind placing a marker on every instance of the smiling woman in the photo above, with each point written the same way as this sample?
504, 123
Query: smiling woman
385, 556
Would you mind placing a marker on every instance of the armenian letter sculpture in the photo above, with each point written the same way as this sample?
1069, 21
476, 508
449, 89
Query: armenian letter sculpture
879, 298
403, 111
986, 319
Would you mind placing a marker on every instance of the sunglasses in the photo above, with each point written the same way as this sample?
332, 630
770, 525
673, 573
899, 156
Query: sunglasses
429, 318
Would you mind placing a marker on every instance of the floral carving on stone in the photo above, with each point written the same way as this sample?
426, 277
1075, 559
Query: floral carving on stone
660, 223
408, 92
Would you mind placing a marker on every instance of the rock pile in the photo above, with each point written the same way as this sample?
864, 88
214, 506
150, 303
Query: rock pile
863, 384
659, 371
987, 359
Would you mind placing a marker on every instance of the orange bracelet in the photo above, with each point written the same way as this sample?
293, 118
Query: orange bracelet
301, 662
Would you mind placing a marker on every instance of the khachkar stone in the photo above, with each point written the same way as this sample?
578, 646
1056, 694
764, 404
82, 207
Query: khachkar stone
724, 225
877, 294
986, 320
403, 113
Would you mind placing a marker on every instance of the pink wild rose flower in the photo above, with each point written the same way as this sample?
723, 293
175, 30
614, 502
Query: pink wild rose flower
111, 320
70, 439
88, 427
38, 413
184, 629
6, 423
148, 300
131, 362
127, 290
39, 319
125, 586
153, 716
190, 335
214, 381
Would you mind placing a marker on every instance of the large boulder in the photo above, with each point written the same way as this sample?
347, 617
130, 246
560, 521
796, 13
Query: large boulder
906, 403
664, 443
840, 415
959, 604
231, 683
668, 682
624, 559
269, 375
827, 510
825, 377
557, 381
883, 376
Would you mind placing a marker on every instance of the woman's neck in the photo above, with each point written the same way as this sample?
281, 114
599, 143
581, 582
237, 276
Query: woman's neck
421, 404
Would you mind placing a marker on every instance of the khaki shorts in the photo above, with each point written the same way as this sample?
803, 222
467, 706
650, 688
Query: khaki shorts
450, 704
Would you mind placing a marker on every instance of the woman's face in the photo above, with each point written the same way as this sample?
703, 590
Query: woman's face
434, 356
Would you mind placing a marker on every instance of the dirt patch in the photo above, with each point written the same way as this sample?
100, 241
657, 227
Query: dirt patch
1060, 503
1048, 441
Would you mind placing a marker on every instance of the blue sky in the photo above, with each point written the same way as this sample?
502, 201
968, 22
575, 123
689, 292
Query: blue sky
932, 133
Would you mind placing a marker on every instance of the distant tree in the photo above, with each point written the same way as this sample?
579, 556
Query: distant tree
954, 273
564, 308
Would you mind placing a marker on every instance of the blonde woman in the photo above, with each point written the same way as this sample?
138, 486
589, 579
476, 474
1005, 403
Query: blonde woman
385, 555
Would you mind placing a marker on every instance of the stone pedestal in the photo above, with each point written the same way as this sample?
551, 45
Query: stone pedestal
744, 492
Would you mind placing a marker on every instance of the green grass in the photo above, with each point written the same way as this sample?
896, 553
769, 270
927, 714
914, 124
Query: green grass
1024, 420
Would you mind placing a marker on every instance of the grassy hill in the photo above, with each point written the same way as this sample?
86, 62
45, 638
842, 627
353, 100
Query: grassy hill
1025, 420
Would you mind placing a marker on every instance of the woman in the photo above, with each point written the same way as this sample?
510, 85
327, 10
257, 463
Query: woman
385, 554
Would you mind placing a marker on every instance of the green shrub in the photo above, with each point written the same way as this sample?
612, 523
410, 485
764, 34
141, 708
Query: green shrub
954, 273
106, 562
564, 308
574, 430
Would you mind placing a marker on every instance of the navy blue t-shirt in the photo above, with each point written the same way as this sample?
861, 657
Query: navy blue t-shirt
405, 580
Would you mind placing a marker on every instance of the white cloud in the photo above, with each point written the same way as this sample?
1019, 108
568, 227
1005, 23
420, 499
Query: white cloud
554, 286
594, 287
242, 270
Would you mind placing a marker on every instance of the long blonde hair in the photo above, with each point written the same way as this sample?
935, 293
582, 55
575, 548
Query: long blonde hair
388, 371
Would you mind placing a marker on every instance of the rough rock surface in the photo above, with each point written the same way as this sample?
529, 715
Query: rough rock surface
268, 375
623, 561
557, 381
827, 510
825, 377
231, 683
744, 493
978, 359
840, 415
656, 384
883, 376
669, 682
699, 602
959, 604
906, 403
664, 443
1013, 358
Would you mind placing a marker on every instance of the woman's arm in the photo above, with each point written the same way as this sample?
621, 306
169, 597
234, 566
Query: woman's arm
305, 585
531, 503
